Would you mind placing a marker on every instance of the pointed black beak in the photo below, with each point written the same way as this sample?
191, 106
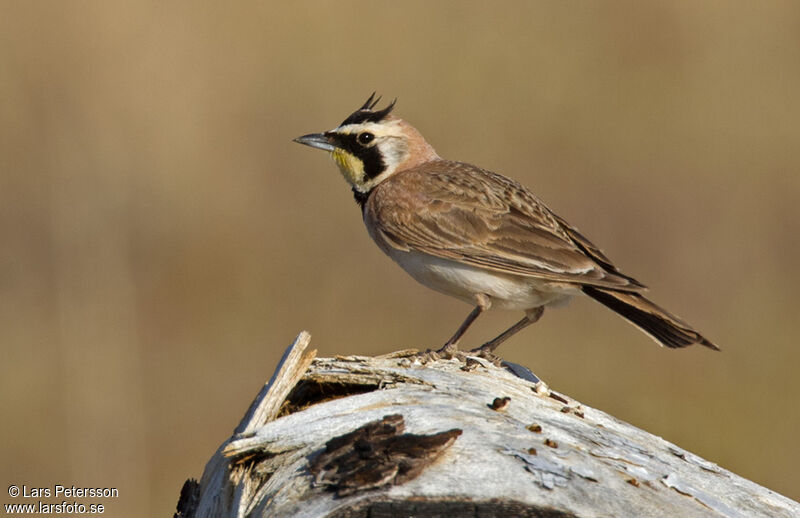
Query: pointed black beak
317, 140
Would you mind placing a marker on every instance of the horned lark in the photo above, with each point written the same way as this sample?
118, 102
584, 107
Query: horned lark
476, 235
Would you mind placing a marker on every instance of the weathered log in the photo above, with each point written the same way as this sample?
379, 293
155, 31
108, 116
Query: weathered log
391, 437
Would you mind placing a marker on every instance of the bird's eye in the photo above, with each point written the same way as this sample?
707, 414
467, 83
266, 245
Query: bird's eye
365, 138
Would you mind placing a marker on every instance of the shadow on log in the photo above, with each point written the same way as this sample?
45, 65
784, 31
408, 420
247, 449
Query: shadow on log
389, 437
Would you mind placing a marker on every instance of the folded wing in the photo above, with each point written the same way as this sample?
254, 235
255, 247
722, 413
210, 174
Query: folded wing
458, 211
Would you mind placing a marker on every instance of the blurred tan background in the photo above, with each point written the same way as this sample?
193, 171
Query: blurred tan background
162, 239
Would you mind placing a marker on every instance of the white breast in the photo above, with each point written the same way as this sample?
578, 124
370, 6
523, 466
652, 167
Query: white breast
465, 281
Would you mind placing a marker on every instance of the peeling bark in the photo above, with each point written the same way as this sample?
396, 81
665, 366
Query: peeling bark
377, 455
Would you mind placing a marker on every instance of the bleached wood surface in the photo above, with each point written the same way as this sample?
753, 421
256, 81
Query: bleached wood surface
538, 453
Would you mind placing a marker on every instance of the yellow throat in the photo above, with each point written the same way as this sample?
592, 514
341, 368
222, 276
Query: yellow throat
351, 167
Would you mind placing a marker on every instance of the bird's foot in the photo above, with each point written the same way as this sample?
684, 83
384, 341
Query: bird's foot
487, 353
450, 351
447, 352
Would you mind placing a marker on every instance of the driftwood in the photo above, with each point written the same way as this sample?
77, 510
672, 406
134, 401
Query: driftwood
390, 437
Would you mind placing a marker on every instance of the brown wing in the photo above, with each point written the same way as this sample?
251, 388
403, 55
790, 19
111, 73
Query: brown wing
458, 211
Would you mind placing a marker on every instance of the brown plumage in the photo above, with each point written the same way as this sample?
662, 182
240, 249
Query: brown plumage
477, 235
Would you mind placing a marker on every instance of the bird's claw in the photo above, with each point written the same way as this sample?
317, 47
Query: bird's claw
487, 354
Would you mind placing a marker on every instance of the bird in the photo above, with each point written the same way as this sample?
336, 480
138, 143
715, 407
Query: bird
476, 235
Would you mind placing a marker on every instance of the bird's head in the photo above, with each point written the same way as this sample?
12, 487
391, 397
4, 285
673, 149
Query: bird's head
370, 145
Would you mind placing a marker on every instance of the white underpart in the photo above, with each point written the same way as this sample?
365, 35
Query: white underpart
465, 282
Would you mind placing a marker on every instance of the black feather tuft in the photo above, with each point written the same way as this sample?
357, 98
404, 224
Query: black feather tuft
369, 104
367, 114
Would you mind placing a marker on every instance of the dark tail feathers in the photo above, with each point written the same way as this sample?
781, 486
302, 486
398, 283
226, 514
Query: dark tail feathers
666, 329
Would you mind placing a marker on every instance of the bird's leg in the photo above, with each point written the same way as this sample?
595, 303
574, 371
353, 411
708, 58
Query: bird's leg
451, 346
531, 316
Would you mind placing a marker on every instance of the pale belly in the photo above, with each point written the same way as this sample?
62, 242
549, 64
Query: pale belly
465, 282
